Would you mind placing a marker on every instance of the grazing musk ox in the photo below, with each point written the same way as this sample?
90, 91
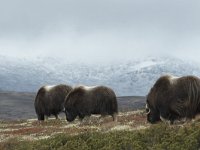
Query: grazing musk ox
84, 101
50, 100
173, 98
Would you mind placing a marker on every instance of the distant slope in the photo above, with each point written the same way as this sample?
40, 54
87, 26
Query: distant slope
20, 105
15, 105
127, 78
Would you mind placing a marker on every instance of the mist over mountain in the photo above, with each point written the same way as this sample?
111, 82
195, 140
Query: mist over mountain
131, 77
111, 39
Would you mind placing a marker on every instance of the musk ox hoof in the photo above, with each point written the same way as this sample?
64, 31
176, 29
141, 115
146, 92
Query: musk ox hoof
40, 117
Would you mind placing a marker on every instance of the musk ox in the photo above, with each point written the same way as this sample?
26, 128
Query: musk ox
83, 101
50, 100
173, 98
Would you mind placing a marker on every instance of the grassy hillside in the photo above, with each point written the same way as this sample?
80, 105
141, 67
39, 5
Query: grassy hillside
131, 131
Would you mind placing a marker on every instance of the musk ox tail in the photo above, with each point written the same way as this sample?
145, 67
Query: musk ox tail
115, 110
193, 97
115, 106
112, 103
189, 106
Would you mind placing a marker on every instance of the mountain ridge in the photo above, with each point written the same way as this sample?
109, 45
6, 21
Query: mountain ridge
133, 77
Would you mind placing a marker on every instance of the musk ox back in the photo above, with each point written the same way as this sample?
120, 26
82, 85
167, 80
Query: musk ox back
84, 101
173, 98
50, 100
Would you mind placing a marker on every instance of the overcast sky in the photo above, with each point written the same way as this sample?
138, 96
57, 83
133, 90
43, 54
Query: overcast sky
93, 30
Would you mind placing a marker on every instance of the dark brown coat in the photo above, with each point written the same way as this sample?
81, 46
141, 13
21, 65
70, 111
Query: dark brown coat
50, 100
173, 98
84, 101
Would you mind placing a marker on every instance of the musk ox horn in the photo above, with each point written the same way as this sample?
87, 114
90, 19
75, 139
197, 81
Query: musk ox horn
147, 109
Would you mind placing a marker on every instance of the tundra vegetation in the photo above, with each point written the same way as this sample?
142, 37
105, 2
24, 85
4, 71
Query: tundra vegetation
130, 131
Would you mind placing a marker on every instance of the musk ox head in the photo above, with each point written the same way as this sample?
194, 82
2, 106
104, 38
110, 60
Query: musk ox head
70, 111
157, 98
70, 114
153, 114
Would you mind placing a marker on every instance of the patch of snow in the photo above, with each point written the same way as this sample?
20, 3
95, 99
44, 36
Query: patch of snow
145, 64
134, 77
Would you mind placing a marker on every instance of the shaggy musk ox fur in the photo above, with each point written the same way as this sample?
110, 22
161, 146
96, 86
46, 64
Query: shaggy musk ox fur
50, 100
84, 101
173, 98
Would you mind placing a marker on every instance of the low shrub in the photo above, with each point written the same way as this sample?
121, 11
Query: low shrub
157, 137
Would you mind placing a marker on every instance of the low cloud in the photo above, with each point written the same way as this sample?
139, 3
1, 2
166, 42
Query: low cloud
100, 30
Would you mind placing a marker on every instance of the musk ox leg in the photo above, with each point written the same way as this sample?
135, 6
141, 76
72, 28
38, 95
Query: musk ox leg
197, 117
57, 117
40, 117
81, 116
46, 117
173, 117
114, 116
86, 121
101, 118
172, 122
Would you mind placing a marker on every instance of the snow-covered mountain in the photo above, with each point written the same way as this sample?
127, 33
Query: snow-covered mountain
126, 78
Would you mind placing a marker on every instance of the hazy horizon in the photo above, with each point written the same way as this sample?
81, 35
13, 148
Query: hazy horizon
104, 31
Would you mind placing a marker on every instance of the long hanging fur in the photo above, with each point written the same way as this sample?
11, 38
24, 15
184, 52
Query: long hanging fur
50, 100
174, 98
84, 101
